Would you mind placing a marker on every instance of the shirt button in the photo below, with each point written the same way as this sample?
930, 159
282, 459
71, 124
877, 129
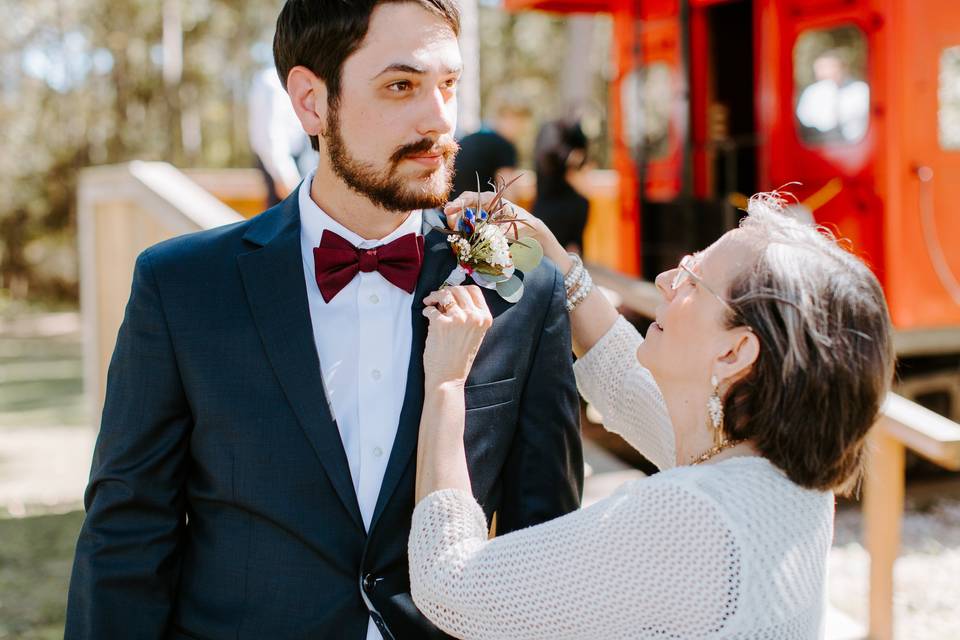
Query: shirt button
374, 299
377, 451
375, 374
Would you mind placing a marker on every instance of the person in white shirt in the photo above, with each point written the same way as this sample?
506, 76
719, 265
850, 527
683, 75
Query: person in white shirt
753, 392
282, 148
836, 106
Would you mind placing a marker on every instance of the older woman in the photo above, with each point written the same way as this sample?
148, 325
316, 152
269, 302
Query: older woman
753, 392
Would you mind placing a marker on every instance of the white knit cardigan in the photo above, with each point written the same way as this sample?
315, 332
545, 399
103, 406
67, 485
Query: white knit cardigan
726, 550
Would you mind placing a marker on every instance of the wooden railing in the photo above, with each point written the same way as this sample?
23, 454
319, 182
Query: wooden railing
122, 210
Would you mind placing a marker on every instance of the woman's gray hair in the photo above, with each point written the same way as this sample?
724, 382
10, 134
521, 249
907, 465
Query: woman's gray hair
826, 351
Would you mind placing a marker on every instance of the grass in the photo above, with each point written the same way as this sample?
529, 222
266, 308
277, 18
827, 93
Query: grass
40, 385
36, 555
41, 382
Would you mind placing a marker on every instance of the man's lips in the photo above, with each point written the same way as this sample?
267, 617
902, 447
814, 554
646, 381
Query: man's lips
427, 159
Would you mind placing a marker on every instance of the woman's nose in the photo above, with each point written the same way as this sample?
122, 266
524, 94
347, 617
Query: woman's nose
663, 282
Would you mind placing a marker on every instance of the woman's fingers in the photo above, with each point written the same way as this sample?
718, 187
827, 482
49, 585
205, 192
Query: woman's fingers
459, 303
456, 331
462, 298
468, 200
432, 314
441, 298
480, 304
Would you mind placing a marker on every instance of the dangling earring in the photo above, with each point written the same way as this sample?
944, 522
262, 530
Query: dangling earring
715, 408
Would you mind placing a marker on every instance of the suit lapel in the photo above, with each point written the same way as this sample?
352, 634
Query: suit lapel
273, 278
438, 262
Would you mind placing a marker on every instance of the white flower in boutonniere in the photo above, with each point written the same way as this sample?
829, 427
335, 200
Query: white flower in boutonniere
486, 254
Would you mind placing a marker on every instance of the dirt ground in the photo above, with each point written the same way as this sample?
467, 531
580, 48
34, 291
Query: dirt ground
46, 440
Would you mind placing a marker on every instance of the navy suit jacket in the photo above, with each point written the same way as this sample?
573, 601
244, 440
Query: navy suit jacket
220, 502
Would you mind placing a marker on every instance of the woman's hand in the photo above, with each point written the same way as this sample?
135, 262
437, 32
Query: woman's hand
459, 318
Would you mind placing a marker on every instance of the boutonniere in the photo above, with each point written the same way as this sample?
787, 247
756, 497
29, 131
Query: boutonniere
484, 251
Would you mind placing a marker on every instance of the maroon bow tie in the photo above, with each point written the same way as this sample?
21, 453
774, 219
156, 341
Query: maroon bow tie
336, 262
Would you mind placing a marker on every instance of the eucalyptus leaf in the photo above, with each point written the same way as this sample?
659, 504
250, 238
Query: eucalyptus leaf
526, 253
511, 290
487, 281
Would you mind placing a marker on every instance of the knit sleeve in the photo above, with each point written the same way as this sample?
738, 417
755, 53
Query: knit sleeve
658, 561
612, 380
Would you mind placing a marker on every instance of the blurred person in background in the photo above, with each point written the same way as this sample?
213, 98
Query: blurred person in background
490, 154
277, 140
560, 155
836, 106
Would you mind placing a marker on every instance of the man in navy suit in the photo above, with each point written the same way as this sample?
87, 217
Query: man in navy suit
254, 473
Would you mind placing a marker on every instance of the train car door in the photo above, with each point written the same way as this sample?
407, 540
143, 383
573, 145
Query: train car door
820, 113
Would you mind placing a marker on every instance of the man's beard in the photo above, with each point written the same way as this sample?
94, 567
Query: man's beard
386, 187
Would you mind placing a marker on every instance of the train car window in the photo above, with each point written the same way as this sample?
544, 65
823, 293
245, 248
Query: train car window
650, 89
949, 98
832, 95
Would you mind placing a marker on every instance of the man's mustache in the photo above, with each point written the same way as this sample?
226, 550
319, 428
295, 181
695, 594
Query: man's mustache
446, 147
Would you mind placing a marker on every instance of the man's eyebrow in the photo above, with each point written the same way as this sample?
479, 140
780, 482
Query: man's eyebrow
400, 67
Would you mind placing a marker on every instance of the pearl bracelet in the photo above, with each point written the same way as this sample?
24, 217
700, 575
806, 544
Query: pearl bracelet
580, 284
573, 276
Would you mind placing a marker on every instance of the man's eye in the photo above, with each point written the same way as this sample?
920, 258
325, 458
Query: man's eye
401, 86
451, 83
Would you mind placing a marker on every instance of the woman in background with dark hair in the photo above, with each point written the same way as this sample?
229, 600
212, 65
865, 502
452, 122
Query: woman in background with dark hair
560, 150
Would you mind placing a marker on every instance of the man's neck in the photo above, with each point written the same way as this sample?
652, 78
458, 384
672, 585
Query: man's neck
354, 211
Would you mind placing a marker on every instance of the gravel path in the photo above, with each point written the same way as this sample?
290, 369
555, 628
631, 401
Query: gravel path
926, 576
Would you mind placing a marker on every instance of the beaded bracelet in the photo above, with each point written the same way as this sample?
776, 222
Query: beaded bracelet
581, 294
579, 290
574, 274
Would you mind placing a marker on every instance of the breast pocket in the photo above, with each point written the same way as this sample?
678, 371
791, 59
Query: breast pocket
489, 394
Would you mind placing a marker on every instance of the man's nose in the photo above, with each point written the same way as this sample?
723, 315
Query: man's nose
664, 281
439, 115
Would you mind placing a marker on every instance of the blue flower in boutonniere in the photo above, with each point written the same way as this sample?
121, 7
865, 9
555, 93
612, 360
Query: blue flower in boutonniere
484, 251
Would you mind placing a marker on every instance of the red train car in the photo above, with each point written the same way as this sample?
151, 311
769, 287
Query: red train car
855, 104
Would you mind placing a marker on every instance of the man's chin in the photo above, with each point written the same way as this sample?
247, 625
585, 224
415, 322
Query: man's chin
431, 190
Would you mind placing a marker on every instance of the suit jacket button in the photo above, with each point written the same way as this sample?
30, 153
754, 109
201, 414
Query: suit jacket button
369, 582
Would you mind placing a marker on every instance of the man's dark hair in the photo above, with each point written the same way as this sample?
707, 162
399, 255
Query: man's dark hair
321, 34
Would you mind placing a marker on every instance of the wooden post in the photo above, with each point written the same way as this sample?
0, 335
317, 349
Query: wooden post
883, 513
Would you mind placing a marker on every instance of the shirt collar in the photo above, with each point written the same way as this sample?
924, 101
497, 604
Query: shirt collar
314, 221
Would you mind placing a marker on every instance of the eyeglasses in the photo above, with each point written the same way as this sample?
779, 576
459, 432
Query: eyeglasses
685, 272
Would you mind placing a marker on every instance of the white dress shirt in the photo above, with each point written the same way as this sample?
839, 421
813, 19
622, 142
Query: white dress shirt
363, 338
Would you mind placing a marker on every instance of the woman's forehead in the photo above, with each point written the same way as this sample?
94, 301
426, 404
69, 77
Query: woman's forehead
728, 256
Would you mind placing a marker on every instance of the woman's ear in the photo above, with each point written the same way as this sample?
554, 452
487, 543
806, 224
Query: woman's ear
739, 358
308, 94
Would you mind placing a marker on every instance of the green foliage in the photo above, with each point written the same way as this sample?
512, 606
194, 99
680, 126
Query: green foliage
526, 253
82, 83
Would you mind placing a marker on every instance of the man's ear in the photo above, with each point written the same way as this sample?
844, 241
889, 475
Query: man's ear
739, 358
308, 94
